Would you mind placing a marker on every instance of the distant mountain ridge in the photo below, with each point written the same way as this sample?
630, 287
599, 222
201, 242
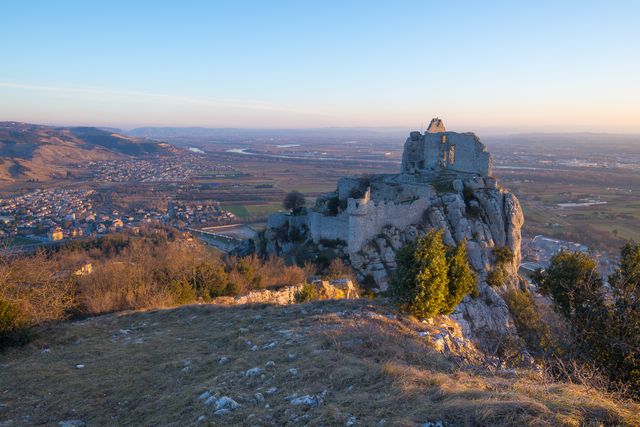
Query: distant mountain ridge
39, 152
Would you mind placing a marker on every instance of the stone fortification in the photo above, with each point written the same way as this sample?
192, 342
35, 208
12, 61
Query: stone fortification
367, 219
438, 150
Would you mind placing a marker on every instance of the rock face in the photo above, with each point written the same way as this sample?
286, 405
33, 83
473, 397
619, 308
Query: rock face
326, 289
367, 219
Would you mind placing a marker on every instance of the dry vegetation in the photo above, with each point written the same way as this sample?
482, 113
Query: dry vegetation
159, 269
148, 368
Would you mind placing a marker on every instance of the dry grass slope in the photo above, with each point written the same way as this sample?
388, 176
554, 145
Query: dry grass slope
149, 367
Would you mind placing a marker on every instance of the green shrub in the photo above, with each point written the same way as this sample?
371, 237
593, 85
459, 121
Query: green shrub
503, 255
307, 293
604, 322
468, 195
13, 328
531, 328
497, 277
443, 186
183, 292
462, 280
333, 205
428, 280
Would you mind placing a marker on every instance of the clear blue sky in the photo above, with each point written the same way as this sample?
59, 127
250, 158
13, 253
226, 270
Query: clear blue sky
547, 65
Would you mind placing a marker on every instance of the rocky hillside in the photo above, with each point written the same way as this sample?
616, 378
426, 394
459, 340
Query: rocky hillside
476, 210
349, 362
37, 152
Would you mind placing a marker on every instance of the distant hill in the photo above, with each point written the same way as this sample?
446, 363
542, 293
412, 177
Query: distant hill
38, 152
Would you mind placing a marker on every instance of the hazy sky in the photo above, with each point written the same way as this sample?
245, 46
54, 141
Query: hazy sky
511, 65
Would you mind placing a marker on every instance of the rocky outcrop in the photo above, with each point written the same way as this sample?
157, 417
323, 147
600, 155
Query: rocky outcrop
325, 289
476, 211
472, 209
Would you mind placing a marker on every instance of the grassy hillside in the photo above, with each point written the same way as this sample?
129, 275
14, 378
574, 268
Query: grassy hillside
322, 363
37, 152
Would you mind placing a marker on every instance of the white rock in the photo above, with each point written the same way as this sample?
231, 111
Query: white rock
227, 403
205, 395
253, 372
259, 397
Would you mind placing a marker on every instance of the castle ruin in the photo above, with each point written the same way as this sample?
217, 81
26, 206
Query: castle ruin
436, 164
438, 150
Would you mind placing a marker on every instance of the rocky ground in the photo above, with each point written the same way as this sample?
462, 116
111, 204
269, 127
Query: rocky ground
349, 362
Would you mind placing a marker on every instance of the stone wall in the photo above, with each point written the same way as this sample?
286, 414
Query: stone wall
328, 227
367, 218
458, 152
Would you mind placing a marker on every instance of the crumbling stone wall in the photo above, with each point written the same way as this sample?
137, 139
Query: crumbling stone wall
441, 151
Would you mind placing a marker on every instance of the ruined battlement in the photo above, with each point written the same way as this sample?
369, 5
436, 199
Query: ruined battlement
438, 150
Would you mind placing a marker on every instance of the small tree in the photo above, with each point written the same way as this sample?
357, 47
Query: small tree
294, 201
462, 280
624, 336
421, 282
573, 283
428, 280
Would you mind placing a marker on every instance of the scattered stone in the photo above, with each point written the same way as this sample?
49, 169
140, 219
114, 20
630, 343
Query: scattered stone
432, 424
269, 345
226, 403
254, 348
292, 371
201, 418
423, 334
72, 423
79, 366
222, 412
243, 330
292, 356
205, 395
272, 390
253, 372
351, 421
307, 400
270, 364
259, 397
223, 360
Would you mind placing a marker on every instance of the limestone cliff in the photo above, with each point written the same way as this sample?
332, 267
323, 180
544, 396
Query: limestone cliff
474, 209
367, 219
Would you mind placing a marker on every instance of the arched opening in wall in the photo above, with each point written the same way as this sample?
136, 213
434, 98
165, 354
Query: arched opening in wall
452, 155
